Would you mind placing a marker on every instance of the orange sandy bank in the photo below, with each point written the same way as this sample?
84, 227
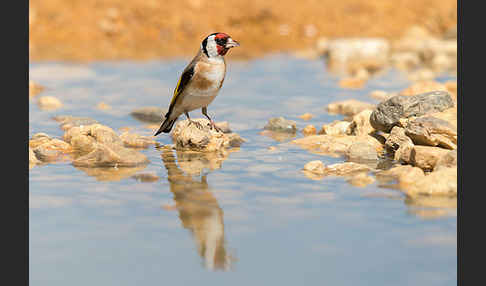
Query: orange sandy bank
130, 29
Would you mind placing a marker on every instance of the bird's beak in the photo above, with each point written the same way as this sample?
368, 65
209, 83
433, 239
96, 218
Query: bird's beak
231, 43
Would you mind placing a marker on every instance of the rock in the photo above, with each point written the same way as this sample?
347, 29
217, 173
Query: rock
111, 155
353, 49
187, 136
47, 149
448, 160
82, 143
315, 167
362, 152
278, 136
380, 95
306, 116
334, 145
397, 138
388, 113
352, 82
442, 61
335, 128
405, 60
360, 124
32, 158
100, 133
435, 47
103, 106
317, 170
68, 121
399, 144
224, 126
99, 146
280, 124
44, 154
34, 88
361, 180
348, 107
404, 174
452, 88
39, 139
136, 141
146, 177
422, 75
49, 103
423, 87
449, 115
150, 114
233, 140
345, 169
309, 130
365, 68
426, 47
431, 131
426, 157
440, 182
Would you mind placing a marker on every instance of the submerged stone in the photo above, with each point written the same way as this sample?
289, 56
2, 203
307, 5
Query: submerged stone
280, 124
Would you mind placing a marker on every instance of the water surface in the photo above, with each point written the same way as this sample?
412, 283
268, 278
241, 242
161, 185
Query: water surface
249, 217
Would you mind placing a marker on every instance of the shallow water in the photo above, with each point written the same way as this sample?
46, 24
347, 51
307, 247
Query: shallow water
249, 218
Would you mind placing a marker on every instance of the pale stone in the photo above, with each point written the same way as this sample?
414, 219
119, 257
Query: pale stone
348, 107
334, 144
136, 141
49, 103
423, 87
360, 124
426, 157
306, 116
315, 167
431, 131
203, 137
440, 182
335, 128
309, 130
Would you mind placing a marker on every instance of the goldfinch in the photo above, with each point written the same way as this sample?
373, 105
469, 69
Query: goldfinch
200, 81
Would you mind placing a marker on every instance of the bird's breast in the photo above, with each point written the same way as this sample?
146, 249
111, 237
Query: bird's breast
208, 77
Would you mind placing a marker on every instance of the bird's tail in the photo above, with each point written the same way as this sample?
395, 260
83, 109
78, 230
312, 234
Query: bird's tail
166, 126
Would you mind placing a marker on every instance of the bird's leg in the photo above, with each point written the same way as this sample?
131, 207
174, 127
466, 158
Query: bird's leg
198, 125
205, 112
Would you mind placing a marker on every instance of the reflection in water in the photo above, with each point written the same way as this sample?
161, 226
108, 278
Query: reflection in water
111, 173
432, 206
199, 210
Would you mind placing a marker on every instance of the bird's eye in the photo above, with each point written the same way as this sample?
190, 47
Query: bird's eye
221, 41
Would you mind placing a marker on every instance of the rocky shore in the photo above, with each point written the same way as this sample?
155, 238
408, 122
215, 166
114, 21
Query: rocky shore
416, 132
106, 154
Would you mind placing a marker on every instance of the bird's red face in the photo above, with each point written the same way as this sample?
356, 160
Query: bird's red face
218, 44
224, 42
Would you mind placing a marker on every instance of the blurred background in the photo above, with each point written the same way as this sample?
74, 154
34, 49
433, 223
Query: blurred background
85, 30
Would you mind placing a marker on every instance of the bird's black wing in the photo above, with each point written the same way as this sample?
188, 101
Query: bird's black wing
186, 76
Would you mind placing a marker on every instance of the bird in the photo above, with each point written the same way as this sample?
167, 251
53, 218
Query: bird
200, 81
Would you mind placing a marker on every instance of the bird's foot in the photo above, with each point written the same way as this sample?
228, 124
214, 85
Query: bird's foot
213, 125
198, 125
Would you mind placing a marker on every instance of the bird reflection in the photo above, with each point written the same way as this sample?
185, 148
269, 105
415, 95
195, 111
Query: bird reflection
198, 209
